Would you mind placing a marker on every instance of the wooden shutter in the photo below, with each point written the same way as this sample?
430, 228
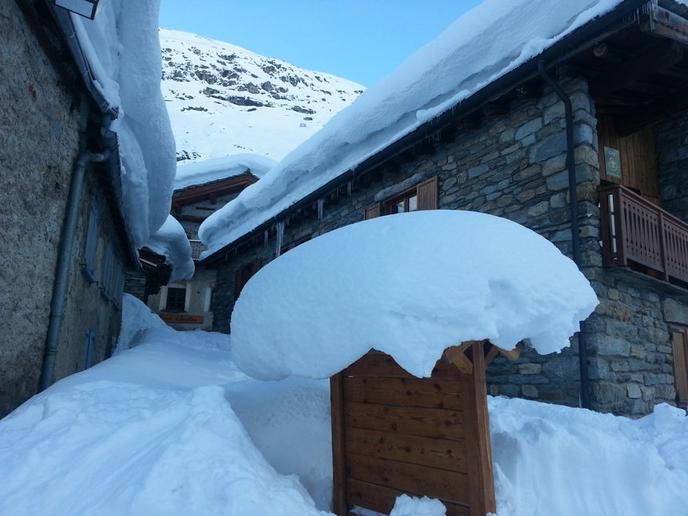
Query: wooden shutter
373, 211
428, 193
679, 339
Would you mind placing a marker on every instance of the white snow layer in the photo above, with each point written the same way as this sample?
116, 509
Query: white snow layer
410, 285
155, 431
550, 459
460, 62
172, 242
123, 51
205, 171
410, 506
149, 432
137, 321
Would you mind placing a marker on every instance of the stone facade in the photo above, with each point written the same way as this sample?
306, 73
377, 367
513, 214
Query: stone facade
514, 166
40, 127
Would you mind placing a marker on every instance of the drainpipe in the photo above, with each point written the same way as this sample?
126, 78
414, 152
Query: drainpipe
64, 262
573, 211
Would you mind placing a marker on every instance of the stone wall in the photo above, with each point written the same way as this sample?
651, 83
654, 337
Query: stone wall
40, 135
39, 131
88, 308
514, 165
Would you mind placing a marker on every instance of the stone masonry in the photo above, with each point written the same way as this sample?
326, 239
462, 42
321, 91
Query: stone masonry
40, 134
514, 166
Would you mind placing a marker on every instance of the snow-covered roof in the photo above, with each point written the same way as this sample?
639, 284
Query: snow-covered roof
171, 242
410, 285
201, 172
486, 43
122, 53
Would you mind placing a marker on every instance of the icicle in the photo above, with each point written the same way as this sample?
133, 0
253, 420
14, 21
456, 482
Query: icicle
349, 188
279, 230
321, 208
266, 238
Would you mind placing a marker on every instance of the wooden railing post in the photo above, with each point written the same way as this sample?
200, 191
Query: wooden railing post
662, 245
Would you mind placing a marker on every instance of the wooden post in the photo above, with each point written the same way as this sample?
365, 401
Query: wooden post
339, 503
477, 422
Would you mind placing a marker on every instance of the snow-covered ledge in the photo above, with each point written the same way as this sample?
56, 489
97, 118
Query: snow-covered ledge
411, 286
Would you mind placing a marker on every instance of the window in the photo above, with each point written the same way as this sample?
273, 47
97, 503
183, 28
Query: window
176, 299
408, 201
679, 341
112, 275
91, 249
244, 274
423, 196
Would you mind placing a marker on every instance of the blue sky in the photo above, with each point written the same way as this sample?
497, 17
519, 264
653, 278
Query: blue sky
362, 40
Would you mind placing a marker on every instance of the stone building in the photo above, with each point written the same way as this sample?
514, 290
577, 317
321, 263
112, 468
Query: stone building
201, 188
587, 144
66, 242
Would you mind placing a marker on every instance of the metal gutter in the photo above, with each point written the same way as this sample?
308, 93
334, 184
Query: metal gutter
64, 263
575, 223
587, 36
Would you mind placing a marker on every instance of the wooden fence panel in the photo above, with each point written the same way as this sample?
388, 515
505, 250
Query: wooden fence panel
399, 434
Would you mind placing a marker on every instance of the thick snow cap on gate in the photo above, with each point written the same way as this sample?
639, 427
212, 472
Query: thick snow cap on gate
410, 285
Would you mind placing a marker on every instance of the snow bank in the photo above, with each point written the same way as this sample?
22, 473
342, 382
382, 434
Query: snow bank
201, 172
172, 242
137, 321
123, 51
148, 432
460, 62
410, 285
557, 460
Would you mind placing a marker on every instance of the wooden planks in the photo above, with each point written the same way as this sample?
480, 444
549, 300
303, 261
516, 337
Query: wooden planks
422, 422
381, 498
439, 394
410, 478
437, 453
395, 434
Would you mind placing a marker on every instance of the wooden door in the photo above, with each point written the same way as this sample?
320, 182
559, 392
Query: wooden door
629, 160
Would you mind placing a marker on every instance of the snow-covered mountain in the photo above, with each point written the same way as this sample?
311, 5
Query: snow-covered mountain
223, 99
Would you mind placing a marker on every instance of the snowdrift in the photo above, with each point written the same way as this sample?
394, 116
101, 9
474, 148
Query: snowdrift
410, 285
155, 429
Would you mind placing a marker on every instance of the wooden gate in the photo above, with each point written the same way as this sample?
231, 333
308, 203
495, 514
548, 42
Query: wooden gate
393, 433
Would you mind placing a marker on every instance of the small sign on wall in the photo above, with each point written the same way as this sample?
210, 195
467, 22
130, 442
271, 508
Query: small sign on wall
612, 163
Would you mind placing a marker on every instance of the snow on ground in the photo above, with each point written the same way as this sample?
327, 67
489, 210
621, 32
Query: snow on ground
553, 460
224, 99
172, 242
172, 427
204, 171
123, 52
148, 432
460, 276
460, 62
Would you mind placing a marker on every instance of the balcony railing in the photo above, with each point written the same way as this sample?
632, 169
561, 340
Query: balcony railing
636, 232
197, 247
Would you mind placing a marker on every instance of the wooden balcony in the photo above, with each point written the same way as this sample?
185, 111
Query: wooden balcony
638, 234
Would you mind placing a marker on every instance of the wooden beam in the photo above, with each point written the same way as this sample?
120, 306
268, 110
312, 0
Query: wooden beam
663, 23
339, 503
653, 59
670, 105
457, 356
